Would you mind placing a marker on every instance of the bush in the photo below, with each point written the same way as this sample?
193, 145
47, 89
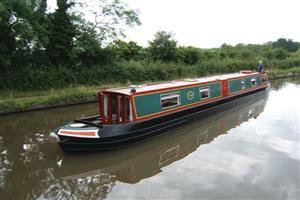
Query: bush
108, 70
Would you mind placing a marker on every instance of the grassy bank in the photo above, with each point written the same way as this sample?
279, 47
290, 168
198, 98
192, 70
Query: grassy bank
11, 100
277, 73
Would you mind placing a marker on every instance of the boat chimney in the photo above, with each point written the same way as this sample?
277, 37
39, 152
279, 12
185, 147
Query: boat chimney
133, 90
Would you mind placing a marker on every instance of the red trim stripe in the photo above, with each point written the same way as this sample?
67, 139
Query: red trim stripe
81, 133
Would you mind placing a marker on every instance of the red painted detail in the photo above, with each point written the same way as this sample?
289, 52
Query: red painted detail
125, 110
101, 104
134, 115
109, 119
119, 113
246, 72
121, 109
81, 133
105, 119
225, 88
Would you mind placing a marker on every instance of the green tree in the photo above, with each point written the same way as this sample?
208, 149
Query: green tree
109, 18
62, 32
189, 55
23, 26
86, 44
287, 44
14, 16
127, 51
40, 24
163, 47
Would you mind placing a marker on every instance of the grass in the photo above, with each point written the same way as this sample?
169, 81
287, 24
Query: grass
282, 72
10, 99
27, 99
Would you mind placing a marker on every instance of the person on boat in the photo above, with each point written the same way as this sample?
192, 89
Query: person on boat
261, 67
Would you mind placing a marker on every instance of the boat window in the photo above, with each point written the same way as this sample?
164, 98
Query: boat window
204, 93
170, 100
105, 105
243, 84
253, 81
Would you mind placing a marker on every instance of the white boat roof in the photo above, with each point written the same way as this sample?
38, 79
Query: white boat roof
177, 83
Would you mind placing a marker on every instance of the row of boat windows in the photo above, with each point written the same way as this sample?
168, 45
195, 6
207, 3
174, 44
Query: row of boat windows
173, 99
253, 83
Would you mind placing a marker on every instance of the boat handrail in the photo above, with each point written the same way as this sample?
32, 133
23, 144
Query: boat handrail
84, 121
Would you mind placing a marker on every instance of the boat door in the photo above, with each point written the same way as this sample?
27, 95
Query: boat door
115, 108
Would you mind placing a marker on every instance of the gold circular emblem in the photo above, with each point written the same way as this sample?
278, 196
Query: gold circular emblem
190, 95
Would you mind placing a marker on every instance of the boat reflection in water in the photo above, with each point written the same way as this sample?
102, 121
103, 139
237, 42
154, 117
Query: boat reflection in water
96, 174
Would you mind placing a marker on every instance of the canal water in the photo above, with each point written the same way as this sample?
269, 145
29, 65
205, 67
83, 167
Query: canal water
250, 151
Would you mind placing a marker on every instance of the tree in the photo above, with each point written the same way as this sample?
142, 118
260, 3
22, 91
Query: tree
280, 54
62, 32
86, 45
163, 47
127, 51
287, 44
190, 55
73, 36
24, 32
13, 15
40, 24
107, 18
29, 34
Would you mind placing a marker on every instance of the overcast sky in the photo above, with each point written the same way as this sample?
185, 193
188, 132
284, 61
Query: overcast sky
210, 23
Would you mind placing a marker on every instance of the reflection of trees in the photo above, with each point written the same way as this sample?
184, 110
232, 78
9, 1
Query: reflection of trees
279, 83
5, 164
89, 187
25, 166
27, 161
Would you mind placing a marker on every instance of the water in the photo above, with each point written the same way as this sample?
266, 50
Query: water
249, 151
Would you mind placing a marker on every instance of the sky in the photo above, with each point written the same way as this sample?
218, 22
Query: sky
211, 23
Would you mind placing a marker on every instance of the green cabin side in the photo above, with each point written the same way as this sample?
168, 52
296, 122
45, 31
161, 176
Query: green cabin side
149, 104
240, 84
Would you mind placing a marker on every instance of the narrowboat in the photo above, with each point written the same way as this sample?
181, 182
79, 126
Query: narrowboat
134, 113
143, 161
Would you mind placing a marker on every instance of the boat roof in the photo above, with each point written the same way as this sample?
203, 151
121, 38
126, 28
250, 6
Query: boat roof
177, 83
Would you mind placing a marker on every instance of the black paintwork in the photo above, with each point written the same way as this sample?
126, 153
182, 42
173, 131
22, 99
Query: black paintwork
121, 135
